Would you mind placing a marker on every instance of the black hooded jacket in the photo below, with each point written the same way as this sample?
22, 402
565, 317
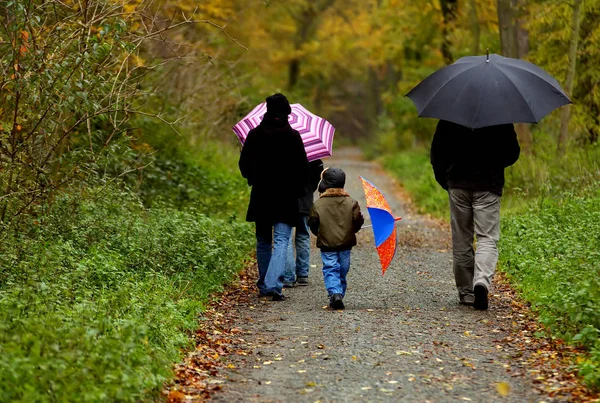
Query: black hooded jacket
473, 159
273, 160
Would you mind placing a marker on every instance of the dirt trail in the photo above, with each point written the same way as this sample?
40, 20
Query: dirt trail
402, 337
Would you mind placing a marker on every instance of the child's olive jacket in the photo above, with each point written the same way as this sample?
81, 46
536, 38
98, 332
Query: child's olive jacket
334, 219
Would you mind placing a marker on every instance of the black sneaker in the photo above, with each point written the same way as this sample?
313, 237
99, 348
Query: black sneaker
302, 281
467, 300
481, 298
336, 302
289, 284
278, 297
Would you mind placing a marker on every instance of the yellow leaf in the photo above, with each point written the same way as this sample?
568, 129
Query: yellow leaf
503, 388
311, 384
402, 352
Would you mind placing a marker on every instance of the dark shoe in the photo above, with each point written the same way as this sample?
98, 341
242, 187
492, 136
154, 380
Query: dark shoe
278, 297
302, 281
481, 298
467, 300
265, 294
335, 302
289, 284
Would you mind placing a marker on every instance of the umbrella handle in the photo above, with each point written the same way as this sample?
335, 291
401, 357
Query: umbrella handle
370, 225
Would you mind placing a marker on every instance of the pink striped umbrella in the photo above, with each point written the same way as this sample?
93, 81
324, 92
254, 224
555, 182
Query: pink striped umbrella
316, 132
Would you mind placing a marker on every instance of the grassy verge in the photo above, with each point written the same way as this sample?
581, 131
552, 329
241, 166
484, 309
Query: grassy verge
96, 301
551, 252
550, 244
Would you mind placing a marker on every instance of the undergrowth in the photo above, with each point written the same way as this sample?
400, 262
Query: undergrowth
98, 297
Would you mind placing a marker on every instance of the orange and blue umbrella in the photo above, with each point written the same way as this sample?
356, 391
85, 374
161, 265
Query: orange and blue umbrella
383, 223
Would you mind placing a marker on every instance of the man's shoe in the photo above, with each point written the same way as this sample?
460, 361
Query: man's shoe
302, 281
289, 284
481, 298
265, 294
336, 302
278, 297
467, 300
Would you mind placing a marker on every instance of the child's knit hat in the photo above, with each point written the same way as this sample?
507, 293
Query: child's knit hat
332, 178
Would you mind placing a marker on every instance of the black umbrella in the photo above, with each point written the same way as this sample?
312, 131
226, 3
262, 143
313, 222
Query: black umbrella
478, 91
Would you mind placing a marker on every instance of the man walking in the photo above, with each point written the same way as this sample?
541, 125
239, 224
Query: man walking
470, 165
274, 162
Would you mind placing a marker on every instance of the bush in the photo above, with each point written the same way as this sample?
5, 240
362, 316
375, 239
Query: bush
97, 299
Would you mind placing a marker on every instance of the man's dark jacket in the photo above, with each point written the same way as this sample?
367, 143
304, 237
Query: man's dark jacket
273, 160
468, 159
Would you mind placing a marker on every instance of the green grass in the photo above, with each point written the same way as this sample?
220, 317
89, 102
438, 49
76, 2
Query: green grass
551, 252
98, 299
414, 171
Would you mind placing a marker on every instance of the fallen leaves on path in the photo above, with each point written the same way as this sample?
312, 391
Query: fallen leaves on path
216, 338
548, 362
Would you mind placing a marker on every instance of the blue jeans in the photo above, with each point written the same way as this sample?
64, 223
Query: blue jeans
335, 269
299, 268
271, 260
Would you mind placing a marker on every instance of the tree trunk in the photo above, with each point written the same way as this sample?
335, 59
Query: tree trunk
307, 23
506, 27
375, 105
449, 11
573, 44
294, 72
514, 41
475, 27
514, 38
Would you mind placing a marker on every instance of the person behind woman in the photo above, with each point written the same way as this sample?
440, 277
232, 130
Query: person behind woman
296, 271
273, 160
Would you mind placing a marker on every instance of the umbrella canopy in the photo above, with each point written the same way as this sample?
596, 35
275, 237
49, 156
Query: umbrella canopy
479, 91
316, 132
383, 223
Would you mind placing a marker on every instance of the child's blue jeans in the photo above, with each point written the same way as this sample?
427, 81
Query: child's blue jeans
335, 269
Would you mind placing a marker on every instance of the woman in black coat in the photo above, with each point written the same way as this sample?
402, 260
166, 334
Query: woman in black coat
273, 160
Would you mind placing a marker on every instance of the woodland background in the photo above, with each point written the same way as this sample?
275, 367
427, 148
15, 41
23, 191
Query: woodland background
121, 208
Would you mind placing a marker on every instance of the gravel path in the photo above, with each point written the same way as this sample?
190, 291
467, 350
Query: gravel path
402, 337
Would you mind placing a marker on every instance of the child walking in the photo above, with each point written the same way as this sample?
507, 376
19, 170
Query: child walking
335, 219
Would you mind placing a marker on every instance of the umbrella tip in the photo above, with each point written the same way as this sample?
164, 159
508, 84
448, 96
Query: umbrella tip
487, 59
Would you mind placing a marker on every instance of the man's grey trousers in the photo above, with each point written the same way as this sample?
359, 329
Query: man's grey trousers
474, 213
